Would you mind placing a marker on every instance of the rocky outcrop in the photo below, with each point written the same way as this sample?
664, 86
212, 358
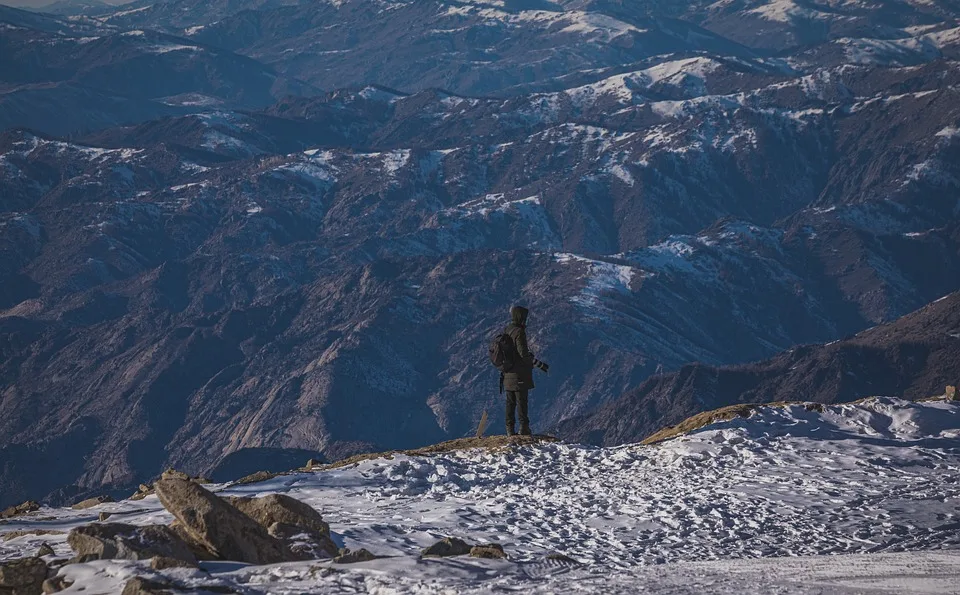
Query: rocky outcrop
163, 562
19, 510
21, 532
488, 551
91, 502
347, 556
142, 492
256, 477
45, 550
449, 546
116, 541
22, 577
142, 586
280, 508
294, 522
217, 526
55, 584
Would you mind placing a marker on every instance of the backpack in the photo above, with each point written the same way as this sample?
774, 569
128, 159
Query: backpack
503, 353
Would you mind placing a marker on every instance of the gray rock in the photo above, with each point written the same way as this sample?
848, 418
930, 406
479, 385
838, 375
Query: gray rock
287, 518
117, 541
279, 508
104, 516
45, 550
20, 533
352, 557
219, 527
304, 543
142, 492
91, 502
23, 577
489, 550
256, 477
450, 546
163, 562
19, 509
55, 584
142, 586
174, 474
198, 549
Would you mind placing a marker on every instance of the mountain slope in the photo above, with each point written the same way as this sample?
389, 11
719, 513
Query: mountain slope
68, 76
915, 356
323, 274
224, 294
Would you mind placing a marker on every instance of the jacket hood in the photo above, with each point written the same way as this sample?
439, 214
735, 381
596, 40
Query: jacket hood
518, 314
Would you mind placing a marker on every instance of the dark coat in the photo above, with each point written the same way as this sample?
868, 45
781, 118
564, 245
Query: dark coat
521, 376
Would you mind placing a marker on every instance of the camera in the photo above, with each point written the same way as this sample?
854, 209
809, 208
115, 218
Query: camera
544, 367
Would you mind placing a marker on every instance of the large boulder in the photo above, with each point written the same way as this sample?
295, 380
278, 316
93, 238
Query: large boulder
23, 577
297, 524
280, 508
199, 550
219, 527
55, 584
450, 546
117, 541
142, 586
488, 550
347, 556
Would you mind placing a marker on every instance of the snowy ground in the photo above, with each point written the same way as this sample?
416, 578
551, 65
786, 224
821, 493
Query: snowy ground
726, 509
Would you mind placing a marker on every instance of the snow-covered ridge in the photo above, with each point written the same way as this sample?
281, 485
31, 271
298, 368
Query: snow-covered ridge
687, 74
877, 476
580, 22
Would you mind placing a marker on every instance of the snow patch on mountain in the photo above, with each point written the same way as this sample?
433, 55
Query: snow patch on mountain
371, 93
171, 47
675, 253
886, 51
394, 161
596, 26
218, 141
950, 132
601, 279
694, 107
788, 11
688, 75
475, 222
944, 38
315, 172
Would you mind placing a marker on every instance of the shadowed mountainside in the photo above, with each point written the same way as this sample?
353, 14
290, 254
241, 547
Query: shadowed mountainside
913, 357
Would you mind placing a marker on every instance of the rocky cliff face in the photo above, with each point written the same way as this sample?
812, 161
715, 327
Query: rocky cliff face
322, 274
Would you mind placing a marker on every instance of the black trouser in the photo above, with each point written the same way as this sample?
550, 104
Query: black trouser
517, 399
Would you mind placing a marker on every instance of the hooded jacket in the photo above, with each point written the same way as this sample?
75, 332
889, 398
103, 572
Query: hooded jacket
521, 376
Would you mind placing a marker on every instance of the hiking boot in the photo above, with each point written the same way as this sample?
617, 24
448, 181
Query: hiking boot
511, 431
525, 432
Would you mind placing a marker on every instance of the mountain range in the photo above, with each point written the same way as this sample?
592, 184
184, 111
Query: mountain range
230, 229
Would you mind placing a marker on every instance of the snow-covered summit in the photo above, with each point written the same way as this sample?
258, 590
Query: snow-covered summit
875, 477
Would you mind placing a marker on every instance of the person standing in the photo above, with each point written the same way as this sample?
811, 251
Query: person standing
518, 379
